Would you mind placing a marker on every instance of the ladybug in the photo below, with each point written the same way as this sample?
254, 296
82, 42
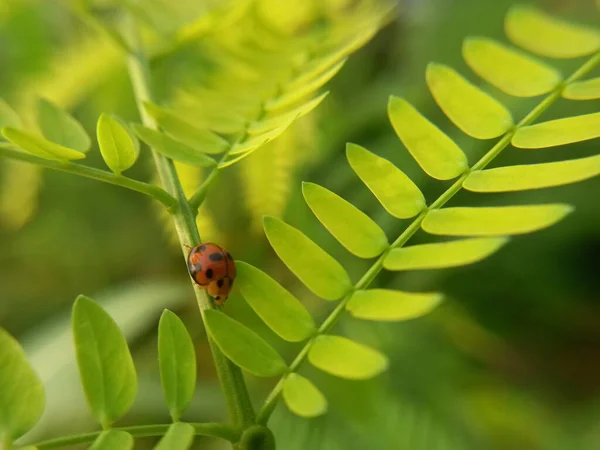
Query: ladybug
212, 267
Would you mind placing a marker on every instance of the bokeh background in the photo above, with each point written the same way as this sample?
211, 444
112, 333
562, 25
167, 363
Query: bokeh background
510, 361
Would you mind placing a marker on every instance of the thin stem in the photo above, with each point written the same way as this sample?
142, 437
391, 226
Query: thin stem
231, 378
223, 431
199, 196
369, 276
90, 172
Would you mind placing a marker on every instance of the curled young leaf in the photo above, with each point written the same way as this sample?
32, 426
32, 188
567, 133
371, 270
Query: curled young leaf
243, 346
105, 365
274, 304
116, 144
22, 397
60, 127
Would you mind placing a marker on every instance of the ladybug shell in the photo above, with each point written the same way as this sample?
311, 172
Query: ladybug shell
213, 268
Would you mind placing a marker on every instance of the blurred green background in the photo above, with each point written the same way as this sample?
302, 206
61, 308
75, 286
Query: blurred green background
512, 359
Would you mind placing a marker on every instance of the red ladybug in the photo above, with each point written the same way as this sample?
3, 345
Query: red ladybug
213, 268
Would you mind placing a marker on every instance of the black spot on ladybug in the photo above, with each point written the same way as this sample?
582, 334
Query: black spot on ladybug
202, 248
220, 283
217, 298
209, 273
215, 256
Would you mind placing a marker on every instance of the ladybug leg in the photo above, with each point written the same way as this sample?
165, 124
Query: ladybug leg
187, 246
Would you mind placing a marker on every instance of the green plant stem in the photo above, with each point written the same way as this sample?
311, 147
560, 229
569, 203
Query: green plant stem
230, 376
224, 431
90, 172
369, 276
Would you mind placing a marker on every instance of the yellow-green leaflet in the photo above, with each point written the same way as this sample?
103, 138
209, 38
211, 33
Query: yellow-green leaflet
394, 190
275, 305
510, 70
436, 153
113, 440
38, 146
473, 111
60, 127
351, 227
200, 139
243, 346
540, 33
22, 397
313, 266
292, 95
443, 254
177, 363
258, 140
493, 221
169, 147
388, 306
8, 117
583, 90
533, 176
344, 358
116, 145
105, 364
270, 123
302, 397
180, 436
558, 132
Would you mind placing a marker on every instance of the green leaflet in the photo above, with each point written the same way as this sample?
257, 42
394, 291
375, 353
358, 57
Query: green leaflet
313, 266
443, 254
113, 440
435, 152
180, 436
473, 111
583, 90
169, 147
105, 365
270, 123
510, 70
533, 176
22, 397
204, 141
60, 127
298, 91
387, 306
243, 346
279, 309
8, 117
394, 190
540, 33
302, 397
558, 132
116, 144
493, 221
177, 362
257, 141
344, 358
38, 146
351, 227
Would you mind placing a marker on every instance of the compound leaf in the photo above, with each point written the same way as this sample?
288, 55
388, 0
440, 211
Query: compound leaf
38, 146
558, 132
302, 397
60, 127
116, 144
113, 440
180, 436
388, 306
